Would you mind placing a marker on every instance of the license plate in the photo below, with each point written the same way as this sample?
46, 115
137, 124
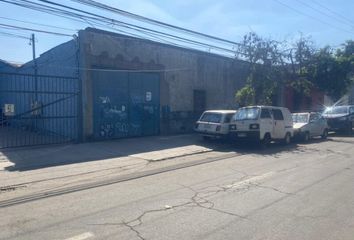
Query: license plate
207, 126
242, 135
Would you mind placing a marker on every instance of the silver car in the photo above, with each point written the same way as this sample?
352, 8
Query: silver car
309, 125
214, 123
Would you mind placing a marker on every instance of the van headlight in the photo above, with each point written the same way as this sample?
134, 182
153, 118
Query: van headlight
232, 127
254, 126
343, 119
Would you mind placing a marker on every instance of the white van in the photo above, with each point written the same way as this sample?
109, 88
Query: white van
262, 124
214, 123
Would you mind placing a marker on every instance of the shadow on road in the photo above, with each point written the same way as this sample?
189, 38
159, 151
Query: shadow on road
142, 148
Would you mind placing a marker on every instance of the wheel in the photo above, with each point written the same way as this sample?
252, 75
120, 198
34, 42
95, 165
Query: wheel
324, 134
349, 129
287, 139
266, 141
206, 138
306, 137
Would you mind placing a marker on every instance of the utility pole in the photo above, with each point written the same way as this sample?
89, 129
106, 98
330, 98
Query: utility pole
33, 43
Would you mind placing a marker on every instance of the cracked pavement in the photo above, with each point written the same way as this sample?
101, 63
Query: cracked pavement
301, 191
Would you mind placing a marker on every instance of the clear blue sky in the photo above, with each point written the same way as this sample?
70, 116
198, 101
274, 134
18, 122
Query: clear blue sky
229, 19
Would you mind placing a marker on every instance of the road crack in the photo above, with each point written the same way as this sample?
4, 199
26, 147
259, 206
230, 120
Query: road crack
271, 188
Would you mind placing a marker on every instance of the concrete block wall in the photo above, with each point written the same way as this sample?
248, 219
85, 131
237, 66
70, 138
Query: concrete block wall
182, 71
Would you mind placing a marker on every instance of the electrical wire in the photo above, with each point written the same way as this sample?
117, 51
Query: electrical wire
132, 26
310, 16
151, 21
96, 17
7, 26
6, 34
334, 12
118, 70
323, 13
38, 24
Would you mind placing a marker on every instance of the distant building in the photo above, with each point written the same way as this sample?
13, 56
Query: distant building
102, 85
124, 87
7, 67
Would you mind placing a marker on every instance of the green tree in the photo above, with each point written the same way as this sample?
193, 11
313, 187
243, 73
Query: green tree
299, 57
332, 72
245, 96
264, 58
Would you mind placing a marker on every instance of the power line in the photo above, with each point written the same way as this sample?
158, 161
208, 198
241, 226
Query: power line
322, 12
6, 34
90, 18
43, 8
39, 24
149, 20
307, 15
132, 25
119, 70
333, 12
13, 27
100, 18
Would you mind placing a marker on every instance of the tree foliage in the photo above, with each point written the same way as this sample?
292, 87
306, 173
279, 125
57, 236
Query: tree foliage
264, 57
331, 72
302, 67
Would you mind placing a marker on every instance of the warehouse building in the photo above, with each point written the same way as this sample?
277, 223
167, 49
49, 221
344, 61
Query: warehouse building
102, 85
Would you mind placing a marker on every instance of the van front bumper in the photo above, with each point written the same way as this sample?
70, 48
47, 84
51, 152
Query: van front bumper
335, 124
250, 136
211, 134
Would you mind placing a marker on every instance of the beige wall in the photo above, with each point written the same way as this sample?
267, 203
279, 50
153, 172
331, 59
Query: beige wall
181, 70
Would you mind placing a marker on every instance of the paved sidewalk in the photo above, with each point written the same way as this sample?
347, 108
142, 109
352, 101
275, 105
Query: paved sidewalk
34, 170
154, 148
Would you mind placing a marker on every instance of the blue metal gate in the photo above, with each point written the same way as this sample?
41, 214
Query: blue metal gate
125, 104
37, 109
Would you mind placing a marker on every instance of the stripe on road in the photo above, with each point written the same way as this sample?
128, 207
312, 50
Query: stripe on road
82, 236
250, 180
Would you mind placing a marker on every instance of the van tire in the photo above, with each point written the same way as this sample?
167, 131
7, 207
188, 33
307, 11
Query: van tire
287, 139
349, 129
266, 140
324, 134
306, 137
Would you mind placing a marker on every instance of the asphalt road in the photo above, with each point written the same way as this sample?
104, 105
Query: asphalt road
303, 191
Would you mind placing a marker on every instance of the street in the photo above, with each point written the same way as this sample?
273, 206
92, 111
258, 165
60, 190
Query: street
300, 191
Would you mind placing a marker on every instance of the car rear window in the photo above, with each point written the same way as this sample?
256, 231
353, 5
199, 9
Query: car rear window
211, 117
228, 117
277, 114
337, 110
265, 114
300, 118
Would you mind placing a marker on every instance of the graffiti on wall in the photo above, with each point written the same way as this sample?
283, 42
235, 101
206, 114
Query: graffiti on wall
114, 118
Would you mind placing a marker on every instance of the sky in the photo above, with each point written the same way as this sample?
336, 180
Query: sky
328, 22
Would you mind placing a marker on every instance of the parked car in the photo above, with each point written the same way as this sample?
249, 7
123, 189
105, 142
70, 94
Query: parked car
340, 118
262, 124
214, 123
309, 125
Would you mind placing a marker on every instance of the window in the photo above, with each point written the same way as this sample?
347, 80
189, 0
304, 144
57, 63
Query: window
300, 118
251, 113
314, 117
337, 110
351, 110
211, 117
228, 117
265, 114
277, 114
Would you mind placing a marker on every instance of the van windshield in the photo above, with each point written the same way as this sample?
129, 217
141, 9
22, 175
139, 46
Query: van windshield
300, 118
211, 117
247, 114
336, 110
